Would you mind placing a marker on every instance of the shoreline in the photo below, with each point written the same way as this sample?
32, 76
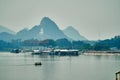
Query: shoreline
101, 53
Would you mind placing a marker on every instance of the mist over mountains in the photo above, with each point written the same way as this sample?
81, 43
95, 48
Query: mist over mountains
47, 29
73, 34
48, 34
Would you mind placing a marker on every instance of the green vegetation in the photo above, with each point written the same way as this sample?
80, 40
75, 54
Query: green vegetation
103, 45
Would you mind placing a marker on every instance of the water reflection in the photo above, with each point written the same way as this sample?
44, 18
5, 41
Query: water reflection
58, 67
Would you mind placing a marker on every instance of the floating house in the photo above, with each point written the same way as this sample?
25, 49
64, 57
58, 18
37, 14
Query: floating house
59, 52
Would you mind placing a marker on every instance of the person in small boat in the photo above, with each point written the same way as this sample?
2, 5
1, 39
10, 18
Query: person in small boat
38, 63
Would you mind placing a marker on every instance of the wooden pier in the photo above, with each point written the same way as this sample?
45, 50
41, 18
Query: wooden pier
117, 75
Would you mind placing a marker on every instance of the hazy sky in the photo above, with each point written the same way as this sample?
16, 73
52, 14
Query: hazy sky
94, 19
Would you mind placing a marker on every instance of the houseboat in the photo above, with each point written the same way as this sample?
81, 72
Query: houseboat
59, 52
66, 52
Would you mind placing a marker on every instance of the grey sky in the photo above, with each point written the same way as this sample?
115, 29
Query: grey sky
94, 19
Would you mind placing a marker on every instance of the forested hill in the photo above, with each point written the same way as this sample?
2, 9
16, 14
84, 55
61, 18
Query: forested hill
103, 45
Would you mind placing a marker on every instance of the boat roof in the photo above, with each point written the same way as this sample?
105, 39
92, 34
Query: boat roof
65, 50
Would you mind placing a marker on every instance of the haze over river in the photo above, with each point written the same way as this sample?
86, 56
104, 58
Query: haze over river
83, 67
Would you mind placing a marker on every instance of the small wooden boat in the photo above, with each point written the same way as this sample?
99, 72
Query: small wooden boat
38, 64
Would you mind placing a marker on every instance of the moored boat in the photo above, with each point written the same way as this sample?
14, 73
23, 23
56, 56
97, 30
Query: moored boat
66, 52
59, 52
16, 51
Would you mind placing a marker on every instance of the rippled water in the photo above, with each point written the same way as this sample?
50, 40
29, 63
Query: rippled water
21, 67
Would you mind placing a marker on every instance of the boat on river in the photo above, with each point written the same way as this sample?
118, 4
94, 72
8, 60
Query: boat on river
16, 51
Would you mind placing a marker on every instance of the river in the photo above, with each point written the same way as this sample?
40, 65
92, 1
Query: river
83, 67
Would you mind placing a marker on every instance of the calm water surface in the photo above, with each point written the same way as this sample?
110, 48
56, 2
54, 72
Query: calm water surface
20, 67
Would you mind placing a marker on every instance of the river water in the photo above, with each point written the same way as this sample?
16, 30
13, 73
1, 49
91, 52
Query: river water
82, 67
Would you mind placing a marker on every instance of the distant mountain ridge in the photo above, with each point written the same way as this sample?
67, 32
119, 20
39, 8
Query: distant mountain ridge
6, 36
47, 29
73, 34
4, 29
50, 29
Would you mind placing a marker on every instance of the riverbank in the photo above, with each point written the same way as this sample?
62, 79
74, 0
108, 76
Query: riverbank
102, 53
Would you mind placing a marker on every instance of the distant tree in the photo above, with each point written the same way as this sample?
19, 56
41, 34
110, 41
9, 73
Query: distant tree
101, 46
85, 46
63, 43
80, 45
51, 43
5, 46
16, 43
31, 42
47, 43
77, 44
107, 44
